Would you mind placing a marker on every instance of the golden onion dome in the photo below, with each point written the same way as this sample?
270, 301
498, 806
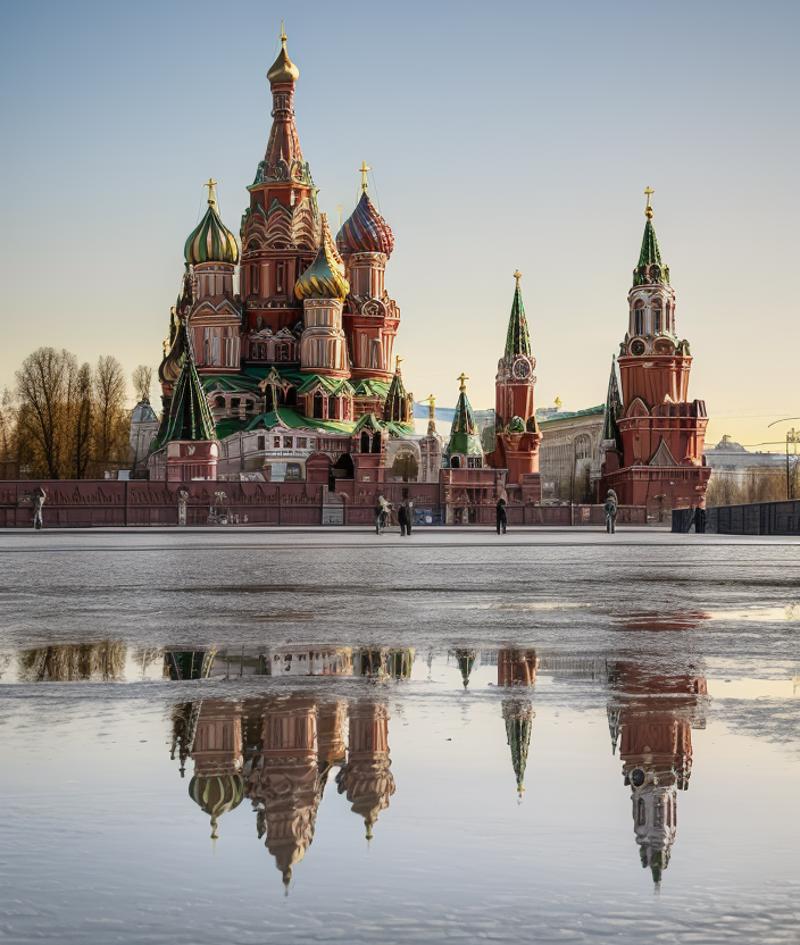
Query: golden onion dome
211, 240
283, 69
324, 278
216, 795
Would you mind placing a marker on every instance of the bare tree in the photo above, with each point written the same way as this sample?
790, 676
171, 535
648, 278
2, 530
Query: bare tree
8, 432
83, 422
45, 386
142, 378
112, 424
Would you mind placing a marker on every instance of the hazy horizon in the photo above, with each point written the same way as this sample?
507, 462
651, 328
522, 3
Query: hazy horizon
521, 137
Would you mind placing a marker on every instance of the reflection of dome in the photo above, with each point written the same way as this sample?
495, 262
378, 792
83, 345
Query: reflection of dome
216, 795
365, 231
324, 278
367, 778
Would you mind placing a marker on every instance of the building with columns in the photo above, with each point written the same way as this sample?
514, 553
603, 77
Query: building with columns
654, 434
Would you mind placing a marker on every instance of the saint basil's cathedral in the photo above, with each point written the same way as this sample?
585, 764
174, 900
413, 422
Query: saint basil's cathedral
294, 377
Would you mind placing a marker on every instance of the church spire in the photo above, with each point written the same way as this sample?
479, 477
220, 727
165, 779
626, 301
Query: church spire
650, 269
518, 339
613, 407
189, 414
283, 161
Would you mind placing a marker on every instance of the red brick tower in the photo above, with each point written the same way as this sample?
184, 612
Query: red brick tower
280, 229
517, 435
658, 460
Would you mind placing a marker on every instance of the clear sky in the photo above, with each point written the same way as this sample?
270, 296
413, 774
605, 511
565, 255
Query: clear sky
502, 136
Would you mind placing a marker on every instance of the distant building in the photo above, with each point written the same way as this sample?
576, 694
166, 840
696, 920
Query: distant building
144, 427
730, 460
570, 457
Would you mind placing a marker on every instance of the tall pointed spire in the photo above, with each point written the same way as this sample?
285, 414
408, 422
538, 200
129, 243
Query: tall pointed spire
518, 339
398, 406
283, 161
189, 414
650, 269
464, 435
613, 408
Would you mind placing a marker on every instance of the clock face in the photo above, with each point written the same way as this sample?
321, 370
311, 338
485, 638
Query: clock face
637, 347
521, 369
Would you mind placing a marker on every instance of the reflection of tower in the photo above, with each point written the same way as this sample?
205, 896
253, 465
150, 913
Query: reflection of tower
466, 662
654, 722
366, 778
331, 742
283, 784
518, 668
216, 749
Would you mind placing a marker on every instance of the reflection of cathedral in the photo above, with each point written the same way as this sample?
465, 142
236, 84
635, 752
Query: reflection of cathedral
517, 669
279, 753
651, 719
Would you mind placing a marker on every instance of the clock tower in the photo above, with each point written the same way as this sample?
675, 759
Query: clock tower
517, 435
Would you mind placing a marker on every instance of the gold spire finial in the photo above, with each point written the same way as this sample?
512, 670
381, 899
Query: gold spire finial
648, 210
557, 402
517, 276
430, 400
365, 169
212, 192
284, 37
462, 377
397, 362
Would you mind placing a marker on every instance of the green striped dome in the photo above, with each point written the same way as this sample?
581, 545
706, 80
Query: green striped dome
211, 241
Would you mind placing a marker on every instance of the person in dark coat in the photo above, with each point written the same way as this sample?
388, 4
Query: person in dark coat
501, 515
404, 517
699, 517
610, 509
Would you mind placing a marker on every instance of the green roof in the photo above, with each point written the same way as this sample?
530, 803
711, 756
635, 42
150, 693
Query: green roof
189, 416
369, 387
571, 415
518, 339
292, 420
650, 256
464, 434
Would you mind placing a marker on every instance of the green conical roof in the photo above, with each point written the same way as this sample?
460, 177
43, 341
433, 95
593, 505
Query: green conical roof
396, 406
650, 268
518, 339
613, 407
519, 726
189, 414
464, 435
466, 660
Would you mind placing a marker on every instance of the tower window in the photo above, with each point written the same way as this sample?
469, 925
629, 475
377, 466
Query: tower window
638, 320
280, 277
656, 320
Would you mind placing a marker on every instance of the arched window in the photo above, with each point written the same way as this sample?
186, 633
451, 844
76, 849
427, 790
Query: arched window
638, 318
455, 462
318, 406
332, 415
376, 443
290, 397
656, 319
365, 438
641, 815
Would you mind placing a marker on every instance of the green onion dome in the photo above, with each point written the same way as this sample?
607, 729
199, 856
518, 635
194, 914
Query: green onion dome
211, 240
516, 425
216, 795
324, 278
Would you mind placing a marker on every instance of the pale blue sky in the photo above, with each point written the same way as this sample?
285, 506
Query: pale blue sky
501, 136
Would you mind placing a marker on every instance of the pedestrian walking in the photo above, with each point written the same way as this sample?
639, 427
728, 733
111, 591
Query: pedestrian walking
39, 498
381, 515
610, 509
501, 515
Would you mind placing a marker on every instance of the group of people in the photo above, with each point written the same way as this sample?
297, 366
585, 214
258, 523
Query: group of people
383, 514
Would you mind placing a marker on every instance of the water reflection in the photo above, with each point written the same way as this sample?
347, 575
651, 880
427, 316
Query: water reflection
279, 753
103, 661
651, 719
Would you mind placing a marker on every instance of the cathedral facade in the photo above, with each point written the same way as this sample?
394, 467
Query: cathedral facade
298, 360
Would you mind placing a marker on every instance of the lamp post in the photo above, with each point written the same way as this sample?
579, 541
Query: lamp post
792, 436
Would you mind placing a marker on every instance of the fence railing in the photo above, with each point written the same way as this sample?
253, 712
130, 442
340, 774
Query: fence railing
756, 518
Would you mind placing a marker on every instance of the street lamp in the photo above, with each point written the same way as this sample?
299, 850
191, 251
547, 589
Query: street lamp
792, 436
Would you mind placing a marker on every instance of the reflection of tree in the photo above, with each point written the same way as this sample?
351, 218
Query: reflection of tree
99, 661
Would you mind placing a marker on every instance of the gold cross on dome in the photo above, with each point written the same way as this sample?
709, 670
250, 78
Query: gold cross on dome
365, 169
397, 362
462, 377
517, 275
284, 37
212, 191
430, 400
648, 210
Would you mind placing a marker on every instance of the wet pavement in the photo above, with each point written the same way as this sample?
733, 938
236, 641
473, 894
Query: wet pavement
271, 736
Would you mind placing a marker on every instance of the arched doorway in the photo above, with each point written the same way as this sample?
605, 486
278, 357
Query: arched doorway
405, 466
342, 469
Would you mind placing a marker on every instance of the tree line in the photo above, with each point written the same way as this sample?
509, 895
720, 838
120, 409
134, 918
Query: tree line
65, 420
